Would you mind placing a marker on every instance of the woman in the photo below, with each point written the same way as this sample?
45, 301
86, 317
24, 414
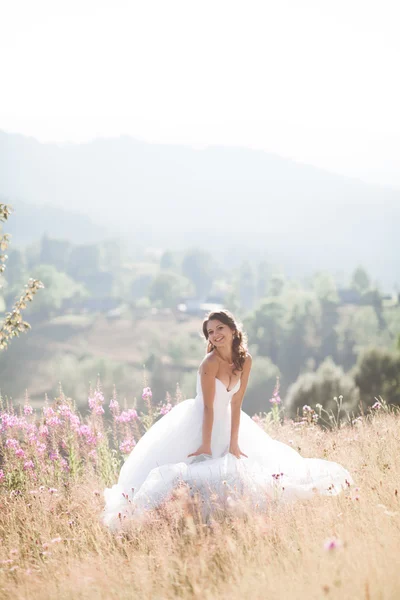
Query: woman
209, 443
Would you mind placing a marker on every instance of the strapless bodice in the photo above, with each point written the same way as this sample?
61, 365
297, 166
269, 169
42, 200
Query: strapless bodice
222, 396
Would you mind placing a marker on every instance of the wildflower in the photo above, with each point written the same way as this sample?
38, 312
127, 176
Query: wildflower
53, 490
318, 406
95, 402
56, 540
307, 409
12, 443
165, 408
275, 395
29, 464
48, 412
40, 448
2, 476
86, 432
127, 446
28, 410
20, 453
332, 543
126, 416
75, 421
376, 406
64, 410
43, 430
54, 421
114, 405
147, 393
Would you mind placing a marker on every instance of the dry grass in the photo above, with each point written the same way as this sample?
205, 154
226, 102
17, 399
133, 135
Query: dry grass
277, 555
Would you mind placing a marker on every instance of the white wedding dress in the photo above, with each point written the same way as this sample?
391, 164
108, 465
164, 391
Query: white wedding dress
158, 463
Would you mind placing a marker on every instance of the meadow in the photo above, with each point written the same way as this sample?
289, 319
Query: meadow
55, 464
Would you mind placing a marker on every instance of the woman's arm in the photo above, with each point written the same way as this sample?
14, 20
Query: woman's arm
236, 406
208, 373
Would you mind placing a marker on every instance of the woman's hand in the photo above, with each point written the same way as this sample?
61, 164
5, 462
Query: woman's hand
236, 451
202, 450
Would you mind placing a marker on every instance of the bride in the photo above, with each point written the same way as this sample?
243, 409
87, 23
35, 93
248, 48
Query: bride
210, 444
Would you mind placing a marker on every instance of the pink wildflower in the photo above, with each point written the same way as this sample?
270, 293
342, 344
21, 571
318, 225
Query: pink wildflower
147, 393
95, 402
126, 416
114, 404
275, 395
64, 410
165, 408
12, 443
41, 448
127, 446
20, 453
43, 430
54, 421
28, 410
2, 476
377, 405
332, 543
48, 411
29, 464
75, 422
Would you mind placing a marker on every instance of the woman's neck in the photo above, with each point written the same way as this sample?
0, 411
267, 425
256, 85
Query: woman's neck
225, 354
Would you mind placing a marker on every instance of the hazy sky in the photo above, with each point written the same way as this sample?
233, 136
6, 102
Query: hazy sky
315, 80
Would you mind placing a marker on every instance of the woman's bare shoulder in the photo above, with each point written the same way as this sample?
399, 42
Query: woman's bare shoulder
209, 363
248, 360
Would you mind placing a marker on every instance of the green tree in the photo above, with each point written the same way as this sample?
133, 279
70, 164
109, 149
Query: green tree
260, 387
377, 373
197, 266
13, 323
167, 287
321, 387
360, 280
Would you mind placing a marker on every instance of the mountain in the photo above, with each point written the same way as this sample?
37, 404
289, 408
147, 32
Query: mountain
225, 199
29, 222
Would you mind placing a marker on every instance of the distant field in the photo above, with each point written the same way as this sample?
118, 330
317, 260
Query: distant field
81, 346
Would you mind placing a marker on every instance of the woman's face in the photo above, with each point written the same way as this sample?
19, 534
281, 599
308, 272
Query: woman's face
219, 334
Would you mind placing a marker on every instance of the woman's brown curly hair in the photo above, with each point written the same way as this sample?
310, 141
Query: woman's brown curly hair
239, 342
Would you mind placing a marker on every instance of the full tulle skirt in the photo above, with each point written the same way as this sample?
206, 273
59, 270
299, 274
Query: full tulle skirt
159, 463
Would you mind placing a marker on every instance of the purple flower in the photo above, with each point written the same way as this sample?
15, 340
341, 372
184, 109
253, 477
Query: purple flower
43, 430
64, 410
377, 405
41, 448
165, 408
54, 421
28, 410
275, 395
48, 411
96, 401
332, 544
12, 443
29, 464
147, 393
1, 475
127, 446
114, 405
20, 453
126, 416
